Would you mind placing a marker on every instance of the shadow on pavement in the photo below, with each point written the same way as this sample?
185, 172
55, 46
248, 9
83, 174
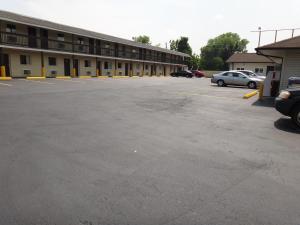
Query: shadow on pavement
266, 102
287, 125
229, 86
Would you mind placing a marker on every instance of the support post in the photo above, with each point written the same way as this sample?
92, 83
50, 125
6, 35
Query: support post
2, 66
73, 67
43, 69
115, 71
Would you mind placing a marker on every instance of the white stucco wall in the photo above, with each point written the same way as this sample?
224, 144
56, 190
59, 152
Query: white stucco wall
290, 67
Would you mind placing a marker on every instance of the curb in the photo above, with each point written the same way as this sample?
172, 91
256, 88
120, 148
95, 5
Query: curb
251, 94
63, 77
5, 78
35, 78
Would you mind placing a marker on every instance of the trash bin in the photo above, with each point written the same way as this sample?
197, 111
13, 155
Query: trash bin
275, 88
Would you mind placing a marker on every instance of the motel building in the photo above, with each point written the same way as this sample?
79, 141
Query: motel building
35, 48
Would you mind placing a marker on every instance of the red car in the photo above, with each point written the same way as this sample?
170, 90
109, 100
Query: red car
198, 73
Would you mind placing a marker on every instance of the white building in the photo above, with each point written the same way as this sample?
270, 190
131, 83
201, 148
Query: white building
286, 52
251, 61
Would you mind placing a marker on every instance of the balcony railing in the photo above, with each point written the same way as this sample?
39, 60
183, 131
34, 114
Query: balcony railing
22, 40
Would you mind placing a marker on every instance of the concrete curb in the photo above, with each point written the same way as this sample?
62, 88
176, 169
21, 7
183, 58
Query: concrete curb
5, 78
35, 78
62, 77
251, 94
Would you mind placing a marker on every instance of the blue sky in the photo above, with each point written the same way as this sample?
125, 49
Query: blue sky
163, 20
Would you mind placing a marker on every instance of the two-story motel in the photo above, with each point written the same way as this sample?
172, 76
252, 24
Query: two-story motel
31, 47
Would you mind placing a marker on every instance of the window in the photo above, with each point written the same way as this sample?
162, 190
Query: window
52, 61
60, 37
25, 59
238, 69
107, 65
146, 67
119, 65
225, 74
87, 63
259, 70
235, 74
11, 28
80, 41
242, 68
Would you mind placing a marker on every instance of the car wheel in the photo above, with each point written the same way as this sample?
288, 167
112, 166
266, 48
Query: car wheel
252, 85
221, 83
296, 115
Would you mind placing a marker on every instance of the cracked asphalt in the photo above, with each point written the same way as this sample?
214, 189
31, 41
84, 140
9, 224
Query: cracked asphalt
151, 151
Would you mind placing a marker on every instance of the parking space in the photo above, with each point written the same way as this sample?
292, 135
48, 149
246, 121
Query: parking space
144, 151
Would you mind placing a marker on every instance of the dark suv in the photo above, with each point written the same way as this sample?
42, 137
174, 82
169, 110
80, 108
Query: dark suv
288, 103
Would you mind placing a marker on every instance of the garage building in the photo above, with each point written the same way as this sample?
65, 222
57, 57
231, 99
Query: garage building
251, 61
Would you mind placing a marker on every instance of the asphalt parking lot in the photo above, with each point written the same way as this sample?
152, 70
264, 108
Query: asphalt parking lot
166, 151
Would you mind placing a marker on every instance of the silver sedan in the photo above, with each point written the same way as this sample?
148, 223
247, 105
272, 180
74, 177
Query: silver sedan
235, 78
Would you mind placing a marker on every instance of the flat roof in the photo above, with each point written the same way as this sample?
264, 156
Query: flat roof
248, 58
17, 18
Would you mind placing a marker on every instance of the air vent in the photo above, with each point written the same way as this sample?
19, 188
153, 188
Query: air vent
53, 72
88, 73
26, 72
108, 73
120, 73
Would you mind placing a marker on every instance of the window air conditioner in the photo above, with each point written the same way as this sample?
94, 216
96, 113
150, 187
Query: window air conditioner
26, 72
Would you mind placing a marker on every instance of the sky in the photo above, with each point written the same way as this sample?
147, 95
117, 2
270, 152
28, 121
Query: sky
165, 20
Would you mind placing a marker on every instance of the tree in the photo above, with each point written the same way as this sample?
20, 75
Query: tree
181, 45
195, 62
219, 49
142, 39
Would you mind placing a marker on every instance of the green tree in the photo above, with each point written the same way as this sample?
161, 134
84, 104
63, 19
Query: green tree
195, 62
142, 39
181, 45
219, 49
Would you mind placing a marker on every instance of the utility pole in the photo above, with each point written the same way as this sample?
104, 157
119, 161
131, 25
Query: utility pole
259, 29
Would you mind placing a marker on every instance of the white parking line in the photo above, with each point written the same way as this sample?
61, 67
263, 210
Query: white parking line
9, 85
37, 81
72, 81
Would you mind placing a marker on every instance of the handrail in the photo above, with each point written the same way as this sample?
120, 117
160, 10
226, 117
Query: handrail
23, 40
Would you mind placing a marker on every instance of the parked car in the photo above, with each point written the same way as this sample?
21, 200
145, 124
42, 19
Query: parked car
198, 73
182, 73
288, 103
252, 74
235, 78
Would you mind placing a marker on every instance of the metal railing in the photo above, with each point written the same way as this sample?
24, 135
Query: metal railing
21, 40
